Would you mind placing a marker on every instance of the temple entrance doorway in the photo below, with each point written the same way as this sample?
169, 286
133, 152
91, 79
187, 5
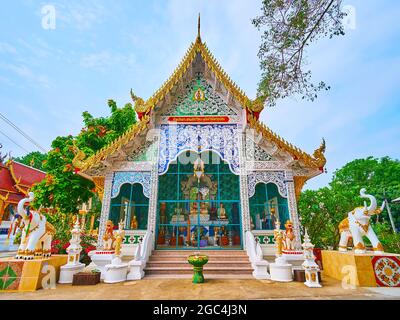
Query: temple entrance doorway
199, 204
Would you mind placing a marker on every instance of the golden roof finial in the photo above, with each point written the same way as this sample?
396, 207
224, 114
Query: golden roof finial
198, 27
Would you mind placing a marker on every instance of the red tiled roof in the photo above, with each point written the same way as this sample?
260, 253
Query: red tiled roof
6, 181
12, 197
16, 179
24, 175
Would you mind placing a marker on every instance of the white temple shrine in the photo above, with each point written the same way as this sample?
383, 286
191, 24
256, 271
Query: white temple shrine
199, 169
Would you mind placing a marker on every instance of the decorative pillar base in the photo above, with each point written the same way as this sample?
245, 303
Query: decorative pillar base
136, 270
281, 271
67, 272
100, 259
116, 271
261, 270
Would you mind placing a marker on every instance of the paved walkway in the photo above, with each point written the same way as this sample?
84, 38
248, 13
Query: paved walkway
217, 289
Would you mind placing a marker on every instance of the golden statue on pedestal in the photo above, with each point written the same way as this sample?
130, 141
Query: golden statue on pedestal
119, 237
134, 223
222, 212
109, 236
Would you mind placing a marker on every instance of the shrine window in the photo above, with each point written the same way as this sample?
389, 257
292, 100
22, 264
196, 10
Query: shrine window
266, 205
199, 204
130, 206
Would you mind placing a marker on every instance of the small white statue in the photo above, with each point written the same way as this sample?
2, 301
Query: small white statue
73, 265
357, 225
309, 265
37, 232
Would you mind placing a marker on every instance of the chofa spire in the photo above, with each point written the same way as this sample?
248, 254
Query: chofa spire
198, 28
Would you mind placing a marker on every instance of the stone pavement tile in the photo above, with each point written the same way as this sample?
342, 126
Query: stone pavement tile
183, 289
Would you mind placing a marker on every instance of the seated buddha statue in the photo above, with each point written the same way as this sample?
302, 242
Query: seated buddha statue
193, 208
134, 223
222, 212
203, 207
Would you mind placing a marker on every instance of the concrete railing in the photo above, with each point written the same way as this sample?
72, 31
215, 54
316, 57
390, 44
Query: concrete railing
255, 254
142, 254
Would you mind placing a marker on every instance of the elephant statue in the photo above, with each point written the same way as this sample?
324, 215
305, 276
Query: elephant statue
37, 233
357, 225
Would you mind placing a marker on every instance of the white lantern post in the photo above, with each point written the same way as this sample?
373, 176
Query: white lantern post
311, 268
74, 252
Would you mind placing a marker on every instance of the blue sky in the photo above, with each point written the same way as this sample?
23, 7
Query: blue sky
101, 49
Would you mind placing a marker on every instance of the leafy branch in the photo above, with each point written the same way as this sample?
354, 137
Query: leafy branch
288, 28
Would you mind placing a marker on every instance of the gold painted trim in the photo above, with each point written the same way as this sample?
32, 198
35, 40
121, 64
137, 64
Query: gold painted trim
99, 183
299, 182
256, 105
359, 246
379, 247
17, 181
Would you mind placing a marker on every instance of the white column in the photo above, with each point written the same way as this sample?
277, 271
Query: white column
105, 208
244, 191
151, 223
292, 204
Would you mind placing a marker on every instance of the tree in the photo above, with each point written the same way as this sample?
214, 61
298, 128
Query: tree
288, 28
322, 210
34, 159
62, 188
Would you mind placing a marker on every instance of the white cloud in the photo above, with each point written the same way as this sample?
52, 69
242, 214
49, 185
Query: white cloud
105, 59
81, 15
7, 48
26, 73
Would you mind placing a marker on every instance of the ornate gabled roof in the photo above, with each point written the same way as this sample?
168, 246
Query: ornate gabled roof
317, 160
141, 106
25, 176
253, 108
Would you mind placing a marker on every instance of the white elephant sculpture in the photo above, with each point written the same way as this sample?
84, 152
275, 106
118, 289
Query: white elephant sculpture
357, 225
36, 235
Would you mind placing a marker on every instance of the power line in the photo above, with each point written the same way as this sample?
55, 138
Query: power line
13, 141
22, 132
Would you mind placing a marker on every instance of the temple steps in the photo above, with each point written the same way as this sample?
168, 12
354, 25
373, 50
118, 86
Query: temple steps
179, 258
221, 264
182, 264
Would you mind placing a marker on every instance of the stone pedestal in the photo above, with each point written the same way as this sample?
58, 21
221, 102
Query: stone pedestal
116, 271
135, 270
100, 259
261, 270
67, 272
293, 255
281, 270
354, 269
30, 275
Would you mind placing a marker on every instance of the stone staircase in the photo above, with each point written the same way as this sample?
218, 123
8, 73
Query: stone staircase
221, 264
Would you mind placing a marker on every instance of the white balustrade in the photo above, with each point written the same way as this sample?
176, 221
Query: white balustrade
255, 254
